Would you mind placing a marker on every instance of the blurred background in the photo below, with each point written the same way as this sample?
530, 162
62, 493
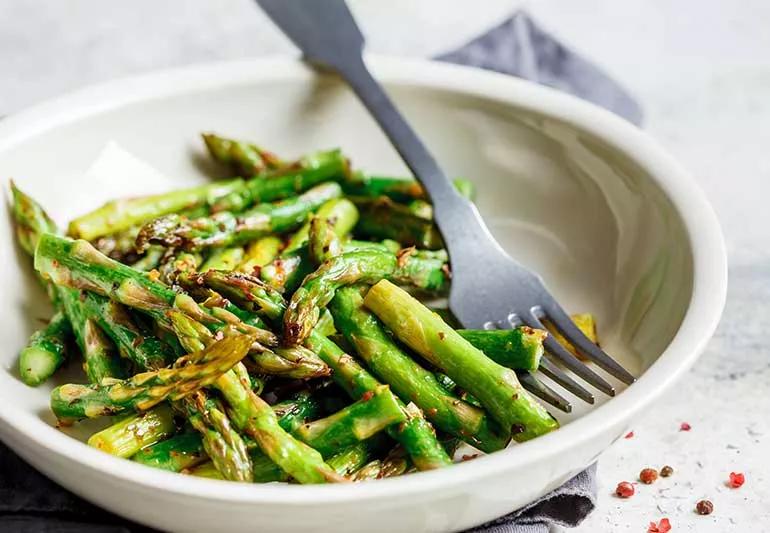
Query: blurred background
700, 69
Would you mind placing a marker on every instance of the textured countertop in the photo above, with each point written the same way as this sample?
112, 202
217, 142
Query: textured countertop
702, 73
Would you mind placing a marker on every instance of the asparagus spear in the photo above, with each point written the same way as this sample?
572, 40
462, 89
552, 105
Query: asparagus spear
323, 243
101, 358
252, 415
398, 189
295, 262
245, 158
119, 215
223, 444
518, 348
146, 351
352, 458
227, 229
150, 260
381, 218
318, 288
45, 351
287, 271
386, 245
181, 266
495, 386
341, 215
374, 412
395, 464
143, 391
369, 471
297, 411
120, 246
285, 182
128, 436
260, 253
223, 259
175, 454
410, 381
206, 470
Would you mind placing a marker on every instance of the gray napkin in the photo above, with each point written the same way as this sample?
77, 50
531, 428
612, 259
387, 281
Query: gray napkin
29, 502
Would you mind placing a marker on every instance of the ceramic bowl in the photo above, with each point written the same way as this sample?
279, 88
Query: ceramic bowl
612, 223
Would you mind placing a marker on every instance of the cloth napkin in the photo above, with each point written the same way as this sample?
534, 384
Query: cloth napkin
29, 502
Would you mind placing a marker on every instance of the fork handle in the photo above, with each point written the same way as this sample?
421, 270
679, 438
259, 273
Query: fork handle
327, 34
448, 205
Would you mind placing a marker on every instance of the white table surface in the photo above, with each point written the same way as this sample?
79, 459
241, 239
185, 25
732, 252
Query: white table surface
700, 68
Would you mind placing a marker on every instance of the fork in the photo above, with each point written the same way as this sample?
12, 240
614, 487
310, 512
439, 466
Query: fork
501, 294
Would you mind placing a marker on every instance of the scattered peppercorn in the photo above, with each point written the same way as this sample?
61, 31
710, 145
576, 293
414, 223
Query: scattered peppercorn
704, 507
648, 476
624, 490
666, 471
684, 426
629, 435
664, 526
736, 480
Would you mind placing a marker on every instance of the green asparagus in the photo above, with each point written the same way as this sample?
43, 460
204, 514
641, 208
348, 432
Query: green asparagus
367, 266
223, 444
223, 259
244, 158
352, 458
45, 351
495, 386
519, 348
175, 454
290, 268
398, 189
128, 436
286, 181
226, 229
119, 215
381, 218
375, 411
410, 381
260, 253
141, 392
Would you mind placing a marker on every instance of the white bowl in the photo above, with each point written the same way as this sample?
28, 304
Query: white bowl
614, 225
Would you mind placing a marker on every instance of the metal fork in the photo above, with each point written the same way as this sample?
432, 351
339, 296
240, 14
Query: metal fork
489, 288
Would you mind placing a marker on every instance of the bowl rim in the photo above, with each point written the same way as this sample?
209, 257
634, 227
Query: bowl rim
709, 263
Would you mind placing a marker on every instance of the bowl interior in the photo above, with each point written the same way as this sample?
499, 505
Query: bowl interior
591, 221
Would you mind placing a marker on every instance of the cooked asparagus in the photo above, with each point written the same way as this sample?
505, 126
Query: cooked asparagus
141, 392
410, 381
128, 436
374, 412
227, 229
119, 215
495, 386
45, 351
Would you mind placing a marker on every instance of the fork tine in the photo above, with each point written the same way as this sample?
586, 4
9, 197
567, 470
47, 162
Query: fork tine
572, 333
570, 361
558, 375
543, 391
